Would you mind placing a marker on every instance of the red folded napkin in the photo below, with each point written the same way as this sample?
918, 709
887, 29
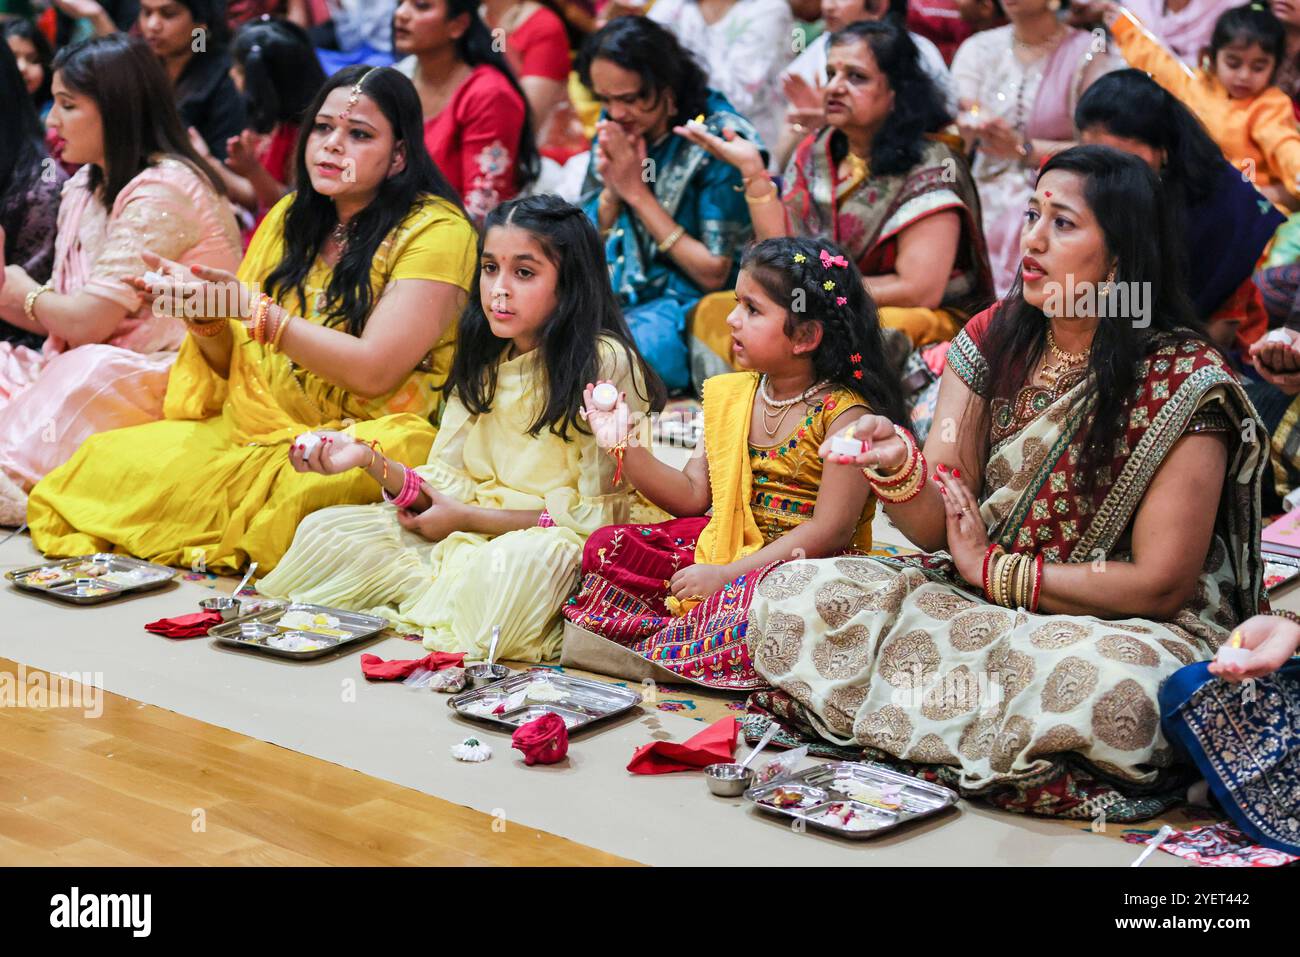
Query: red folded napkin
714, 744
544, 740
377, 669
185, 626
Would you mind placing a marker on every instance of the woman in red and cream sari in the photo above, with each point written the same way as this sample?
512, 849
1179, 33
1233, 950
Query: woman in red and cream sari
1091, 526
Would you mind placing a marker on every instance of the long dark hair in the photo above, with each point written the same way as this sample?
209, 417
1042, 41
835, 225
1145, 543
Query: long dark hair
1120, 190
849, 331
918, 105
21, 145
1129, 104
311, 216
586, 309
136, 105
643, 47
281, 71
1247, 24
26, 30
475, 47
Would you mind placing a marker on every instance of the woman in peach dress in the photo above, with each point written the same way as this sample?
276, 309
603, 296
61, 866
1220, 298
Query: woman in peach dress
106, 358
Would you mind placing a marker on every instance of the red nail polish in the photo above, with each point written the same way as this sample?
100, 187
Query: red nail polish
942, 490
941, 467
956, 473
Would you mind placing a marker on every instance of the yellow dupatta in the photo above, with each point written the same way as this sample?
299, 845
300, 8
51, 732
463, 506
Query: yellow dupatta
732, 532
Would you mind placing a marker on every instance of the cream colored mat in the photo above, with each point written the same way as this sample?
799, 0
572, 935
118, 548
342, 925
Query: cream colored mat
328, 710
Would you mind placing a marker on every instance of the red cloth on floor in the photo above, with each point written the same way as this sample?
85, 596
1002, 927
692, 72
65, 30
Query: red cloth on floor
377, 669
715, 744
543, 741
185, 626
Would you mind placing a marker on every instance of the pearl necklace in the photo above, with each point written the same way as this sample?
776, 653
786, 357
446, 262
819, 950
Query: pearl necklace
782, 406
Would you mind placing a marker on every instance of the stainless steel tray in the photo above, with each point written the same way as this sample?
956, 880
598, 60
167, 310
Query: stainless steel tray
828, 793
253, 631
85, 580
584, 703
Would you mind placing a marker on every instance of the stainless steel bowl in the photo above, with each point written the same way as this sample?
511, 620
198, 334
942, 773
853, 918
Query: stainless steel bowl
227, 607
478, 676
728, 780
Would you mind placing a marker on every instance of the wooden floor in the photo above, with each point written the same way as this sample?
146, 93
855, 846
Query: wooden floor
139, 785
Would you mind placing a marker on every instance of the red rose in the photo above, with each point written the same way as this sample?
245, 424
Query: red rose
543, 741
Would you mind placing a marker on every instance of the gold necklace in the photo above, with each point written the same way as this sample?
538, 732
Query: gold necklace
1061, 362
859, 168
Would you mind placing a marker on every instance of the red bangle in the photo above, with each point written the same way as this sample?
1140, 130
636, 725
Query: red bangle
1038, 582
984, 574
544, 520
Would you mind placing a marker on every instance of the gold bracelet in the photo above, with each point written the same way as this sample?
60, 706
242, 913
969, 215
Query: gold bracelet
765, 198
29, 303
671, 239
281, 324
1024, 579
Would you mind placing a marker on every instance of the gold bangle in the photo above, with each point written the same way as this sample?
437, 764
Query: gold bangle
671, 239
765, 198
29, 303
281, 324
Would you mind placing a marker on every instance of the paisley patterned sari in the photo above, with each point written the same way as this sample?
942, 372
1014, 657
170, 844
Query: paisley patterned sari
903, 658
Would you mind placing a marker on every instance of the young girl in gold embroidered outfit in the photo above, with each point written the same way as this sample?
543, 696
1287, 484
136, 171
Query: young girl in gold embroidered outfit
808, 335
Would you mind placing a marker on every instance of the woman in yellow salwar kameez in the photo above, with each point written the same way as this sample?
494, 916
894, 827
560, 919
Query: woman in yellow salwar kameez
490, 530
365, 267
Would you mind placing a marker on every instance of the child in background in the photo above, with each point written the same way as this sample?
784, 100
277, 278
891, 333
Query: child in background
808, 333
489, 531
1232, 92
275, 68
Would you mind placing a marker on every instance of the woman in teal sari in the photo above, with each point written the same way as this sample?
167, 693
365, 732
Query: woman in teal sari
673, 217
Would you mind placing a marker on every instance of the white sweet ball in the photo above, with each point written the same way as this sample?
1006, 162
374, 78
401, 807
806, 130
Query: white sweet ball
605, 397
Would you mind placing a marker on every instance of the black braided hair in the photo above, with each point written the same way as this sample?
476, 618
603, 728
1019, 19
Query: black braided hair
849, 328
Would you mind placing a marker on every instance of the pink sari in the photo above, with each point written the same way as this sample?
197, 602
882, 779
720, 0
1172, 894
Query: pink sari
53, 400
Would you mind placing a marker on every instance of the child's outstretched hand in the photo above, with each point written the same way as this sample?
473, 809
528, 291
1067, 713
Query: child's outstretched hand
328, 453
885, 451
610, 426
1272, 640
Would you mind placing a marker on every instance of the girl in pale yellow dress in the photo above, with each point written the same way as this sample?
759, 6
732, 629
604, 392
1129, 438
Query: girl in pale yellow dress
365, 269
490, 530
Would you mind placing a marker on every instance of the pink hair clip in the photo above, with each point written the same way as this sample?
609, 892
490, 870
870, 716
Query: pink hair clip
840, 300
828, 261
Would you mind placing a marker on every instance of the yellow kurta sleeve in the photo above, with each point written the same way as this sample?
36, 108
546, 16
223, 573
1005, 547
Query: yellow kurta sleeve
194, 390
1144, 51
443, 248
1273, 128
591, 500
